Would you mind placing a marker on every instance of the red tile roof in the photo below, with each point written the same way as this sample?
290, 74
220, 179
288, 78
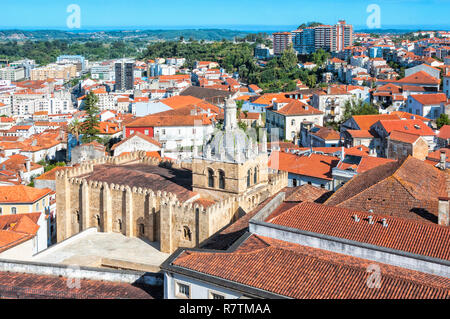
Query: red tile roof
314, 165
400, 234
408, 189
360, 133
295, 107
327, 134
404, 137
409, 116
366, 121
32, 286
51, 174
302, 272
444, 132
16, 229
420, 77
22, 194
409, 126
430, 99
155, 120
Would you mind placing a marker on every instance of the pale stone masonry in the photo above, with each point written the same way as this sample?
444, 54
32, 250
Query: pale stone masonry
178, 204
155, 215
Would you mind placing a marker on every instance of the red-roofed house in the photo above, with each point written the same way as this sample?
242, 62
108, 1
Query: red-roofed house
136, 142
384, 128
402, 144
443, 137
314, 169
287, 115
22, 236
352, 164
428, 105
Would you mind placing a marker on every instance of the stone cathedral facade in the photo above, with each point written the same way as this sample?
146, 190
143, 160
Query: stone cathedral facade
176, 204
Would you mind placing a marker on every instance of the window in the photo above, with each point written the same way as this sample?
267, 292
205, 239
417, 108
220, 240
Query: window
13, 210
37, 206
183, 290
214, 295
141, 229
249, 173
146, 132
119, 223
163, 132
255, 176
294, 183
210, 178
187, 233
221, 179
131, 132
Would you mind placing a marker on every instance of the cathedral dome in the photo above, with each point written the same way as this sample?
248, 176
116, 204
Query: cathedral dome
232, 144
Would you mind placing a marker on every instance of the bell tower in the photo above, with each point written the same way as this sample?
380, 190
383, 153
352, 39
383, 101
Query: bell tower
232, 162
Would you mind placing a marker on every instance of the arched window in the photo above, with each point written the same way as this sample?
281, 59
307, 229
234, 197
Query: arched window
187, 233
249, 177
141, 229
13, 210
255, 176
210, 178
98, 220
221, 179
119, 223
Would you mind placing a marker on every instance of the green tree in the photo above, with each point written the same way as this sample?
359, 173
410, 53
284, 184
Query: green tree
75, 128
90, 129
357, 107
442, 120
289, 59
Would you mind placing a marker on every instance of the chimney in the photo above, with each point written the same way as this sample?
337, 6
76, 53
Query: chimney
443, 214
370, 219
355, 217
384, 222
443, 159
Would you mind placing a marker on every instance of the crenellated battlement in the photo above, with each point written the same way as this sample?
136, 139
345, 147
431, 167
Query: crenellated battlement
153, 213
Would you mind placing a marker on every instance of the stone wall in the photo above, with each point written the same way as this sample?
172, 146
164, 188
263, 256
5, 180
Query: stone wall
138, 212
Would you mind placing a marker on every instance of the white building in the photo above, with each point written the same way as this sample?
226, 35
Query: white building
286, 115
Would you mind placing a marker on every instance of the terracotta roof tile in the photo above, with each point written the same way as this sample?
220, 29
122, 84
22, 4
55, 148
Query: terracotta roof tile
314, 165
298, 271
366, 121
408, 189
21, 194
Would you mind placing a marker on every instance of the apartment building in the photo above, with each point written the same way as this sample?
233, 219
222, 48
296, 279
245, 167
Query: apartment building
281, 41
54, 71
334, 38
12, 74
124, 75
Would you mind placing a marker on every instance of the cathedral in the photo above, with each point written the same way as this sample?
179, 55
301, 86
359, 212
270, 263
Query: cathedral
177, 204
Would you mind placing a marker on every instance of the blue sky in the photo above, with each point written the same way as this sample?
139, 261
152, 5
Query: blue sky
234, 14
